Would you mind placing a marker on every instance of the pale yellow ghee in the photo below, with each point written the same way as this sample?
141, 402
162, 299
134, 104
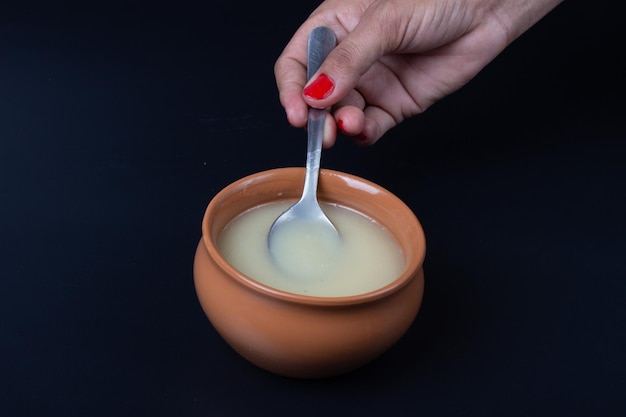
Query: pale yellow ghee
367, 257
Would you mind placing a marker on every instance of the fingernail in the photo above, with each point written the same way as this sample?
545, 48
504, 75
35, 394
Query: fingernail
320, 88
361, 137
340, 126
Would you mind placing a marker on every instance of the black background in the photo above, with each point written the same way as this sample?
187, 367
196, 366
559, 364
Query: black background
118, 124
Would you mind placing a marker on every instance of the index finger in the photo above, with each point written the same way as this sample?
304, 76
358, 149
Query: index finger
290, 73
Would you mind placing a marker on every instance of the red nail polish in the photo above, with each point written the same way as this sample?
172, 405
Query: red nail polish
320, 88
340, 126
362, 137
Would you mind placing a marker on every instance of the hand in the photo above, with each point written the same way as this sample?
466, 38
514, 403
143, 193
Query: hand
395, 58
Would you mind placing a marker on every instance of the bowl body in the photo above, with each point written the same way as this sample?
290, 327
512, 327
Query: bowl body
305, 336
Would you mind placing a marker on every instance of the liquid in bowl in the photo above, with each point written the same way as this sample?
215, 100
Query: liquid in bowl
366, 258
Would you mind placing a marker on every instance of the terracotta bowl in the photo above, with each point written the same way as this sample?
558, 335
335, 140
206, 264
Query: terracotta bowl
306, 336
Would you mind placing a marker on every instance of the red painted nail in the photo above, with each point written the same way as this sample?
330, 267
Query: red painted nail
341, 127
362, 137
320, 88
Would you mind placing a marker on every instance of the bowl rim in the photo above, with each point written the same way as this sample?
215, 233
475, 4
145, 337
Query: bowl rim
396, 285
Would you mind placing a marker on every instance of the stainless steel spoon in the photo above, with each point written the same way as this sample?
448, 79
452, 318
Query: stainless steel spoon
307, 209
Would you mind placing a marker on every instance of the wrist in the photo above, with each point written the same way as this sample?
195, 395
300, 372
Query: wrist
517, 16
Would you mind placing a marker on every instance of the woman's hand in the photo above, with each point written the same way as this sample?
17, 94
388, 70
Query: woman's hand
395, 58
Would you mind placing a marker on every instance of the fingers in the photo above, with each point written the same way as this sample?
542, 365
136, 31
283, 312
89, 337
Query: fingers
349, 115
364, 126
333, 86
330, 131
377, 122
350, 120
290, 69
338, 75
352, 57
290, 76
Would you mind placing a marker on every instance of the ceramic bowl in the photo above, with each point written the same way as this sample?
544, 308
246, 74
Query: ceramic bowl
298, 335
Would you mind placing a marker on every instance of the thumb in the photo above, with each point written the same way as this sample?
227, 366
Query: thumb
348, 61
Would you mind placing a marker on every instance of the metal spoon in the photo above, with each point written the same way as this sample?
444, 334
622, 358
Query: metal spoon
307, 210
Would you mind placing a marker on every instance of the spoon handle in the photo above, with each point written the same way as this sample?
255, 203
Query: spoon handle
321, 42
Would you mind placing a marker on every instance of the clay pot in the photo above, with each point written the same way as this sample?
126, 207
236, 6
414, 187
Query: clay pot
306, 336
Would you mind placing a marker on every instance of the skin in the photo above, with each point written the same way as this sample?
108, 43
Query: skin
395, 58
